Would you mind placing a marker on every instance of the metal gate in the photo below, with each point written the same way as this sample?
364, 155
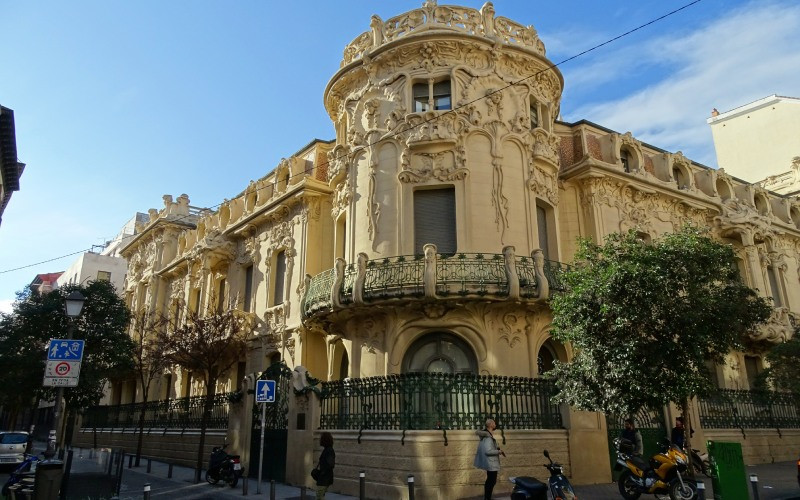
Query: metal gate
650, 424
276, 423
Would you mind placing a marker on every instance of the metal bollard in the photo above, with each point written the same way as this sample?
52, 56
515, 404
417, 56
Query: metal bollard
146, 491
244, 486
410, 487
169, 472
362, 486
110, 461
272, 489
130, 461
754, 484
149, 465
302, 493
91, 453
701, 490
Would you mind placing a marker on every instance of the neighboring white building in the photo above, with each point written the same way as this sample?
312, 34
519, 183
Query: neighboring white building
105, 264
759, 141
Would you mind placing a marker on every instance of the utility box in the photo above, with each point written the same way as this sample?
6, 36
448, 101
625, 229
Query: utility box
47, 483
729, 477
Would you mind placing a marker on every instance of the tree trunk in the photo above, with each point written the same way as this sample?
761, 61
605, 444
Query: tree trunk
687, 436
208, 403
141, 426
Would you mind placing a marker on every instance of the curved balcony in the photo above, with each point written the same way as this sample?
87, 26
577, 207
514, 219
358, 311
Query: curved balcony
431, 275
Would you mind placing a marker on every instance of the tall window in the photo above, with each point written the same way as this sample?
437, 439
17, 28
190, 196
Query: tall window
221, 296
248, 287
280, 277
534, 115
774, 286
752, 369
435, 219
196, 302
544, 237
429, 96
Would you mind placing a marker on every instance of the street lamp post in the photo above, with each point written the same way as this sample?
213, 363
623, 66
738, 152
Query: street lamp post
73, 305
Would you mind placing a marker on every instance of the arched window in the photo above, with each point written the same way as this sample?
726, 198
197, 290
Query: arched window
625, 158
440, 352
546, 358
344, 367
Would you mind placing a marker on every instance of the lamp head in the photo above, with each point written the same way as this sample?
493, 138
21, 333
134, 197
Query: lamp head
73, 303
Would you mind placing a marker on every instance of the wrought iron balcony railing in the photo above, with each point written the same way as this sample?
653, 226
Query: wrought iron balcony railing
433, 275
438, 401
180, 413
732, 409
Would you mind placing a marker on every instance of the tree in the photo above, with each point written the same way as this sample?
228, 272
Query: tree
149, 360
208, 345
783, 372
37, 318
644, 318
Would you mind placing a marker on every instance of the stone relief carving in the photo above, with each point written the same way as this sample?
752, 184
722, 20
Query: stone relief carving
431, 166
543, 183
512, 328
499, 200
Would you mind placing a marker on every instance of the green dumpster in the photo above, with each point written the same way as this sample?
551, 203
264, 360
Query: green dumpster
729, 479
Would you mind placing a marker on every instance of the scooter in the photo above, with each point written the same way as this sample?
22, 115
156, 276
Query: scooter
25, 469
557, 487
222, 466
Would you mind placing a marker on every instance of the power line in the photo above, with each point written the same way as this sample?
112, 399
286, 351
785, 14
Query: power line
424, 122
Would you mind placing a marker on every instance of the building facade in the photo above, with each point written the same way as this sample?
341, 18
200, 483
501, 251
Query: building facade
10, 166
416, 251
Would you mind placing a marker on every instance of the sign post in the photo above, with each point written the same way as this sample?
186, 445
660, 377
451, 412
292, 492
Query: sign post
265, 393
63, 363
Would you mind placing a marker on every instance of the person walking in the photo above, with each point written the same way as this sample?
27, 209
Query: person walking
327, 461
487, 457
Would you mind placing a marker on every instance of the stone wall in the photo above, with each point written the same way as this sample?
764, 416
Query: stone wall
175, 447
441, 471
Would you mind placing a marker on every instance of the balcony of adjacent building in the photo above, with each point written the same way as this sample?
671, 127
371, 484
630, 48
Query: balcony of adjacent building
431, 276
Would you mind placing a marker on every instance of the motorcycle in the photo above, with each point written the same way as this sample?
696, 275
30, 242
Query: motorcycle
557, 487
664, 473
25, 469
222, 466
701, 463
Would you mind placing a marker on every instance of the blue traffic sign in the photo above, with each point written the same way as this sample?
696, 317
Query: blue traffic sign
65, 349
265, 391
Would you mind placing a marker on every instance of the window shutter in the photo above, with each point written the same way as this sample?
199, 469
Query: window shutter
435, 219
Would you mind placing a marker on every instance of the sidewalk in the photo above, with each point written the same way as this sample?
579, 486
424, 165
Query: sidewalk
181, 485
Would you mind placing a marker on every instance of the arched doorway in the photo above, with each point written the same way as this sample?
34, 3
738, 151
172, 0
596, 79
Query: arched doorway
440, 352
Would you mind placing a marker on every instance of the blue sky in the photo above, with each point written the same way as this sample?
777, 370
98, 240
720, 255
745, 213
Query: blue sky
117, 103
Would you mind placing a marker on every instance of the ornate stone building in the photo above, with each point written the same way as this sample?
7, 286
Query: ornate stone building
426, 239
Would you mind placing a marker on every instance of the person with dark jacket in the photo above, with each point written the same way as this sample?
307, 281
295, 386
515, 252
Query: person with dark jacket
678, 436
632, 434
327, 460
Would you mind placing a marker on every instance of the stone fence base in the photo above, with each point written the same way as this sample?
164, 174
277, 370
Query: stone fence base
761, 446
441, 471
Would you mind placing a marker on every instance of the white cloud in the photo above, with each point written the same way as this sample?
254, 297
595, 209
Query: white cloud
751, 53
6, 306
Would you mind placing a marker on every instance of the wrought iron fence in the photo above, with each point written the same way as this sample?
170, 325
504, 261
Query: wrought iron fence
180, 413
732, 409
527, 277
395, 277
438, 401
552, 271
471, 273
319, 291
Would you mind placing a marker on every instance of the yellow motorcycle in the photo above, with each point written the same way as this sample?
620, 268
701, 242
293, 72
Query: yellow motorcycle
664, 473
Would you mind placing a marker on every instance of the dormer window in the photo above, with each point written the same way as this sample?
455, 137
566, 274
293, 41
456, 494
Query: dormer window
429, 95
625, 157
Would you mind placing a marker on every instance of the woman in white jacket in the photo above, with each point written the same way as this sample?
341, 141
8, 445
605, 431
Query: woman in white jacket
487, 457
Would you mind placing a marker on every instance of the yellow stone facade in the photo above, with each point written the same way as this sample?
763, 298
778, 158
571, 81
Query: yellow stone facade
453, 109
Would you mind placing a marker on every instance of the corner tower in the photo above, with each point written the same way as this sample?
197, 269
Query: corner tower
444, 134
